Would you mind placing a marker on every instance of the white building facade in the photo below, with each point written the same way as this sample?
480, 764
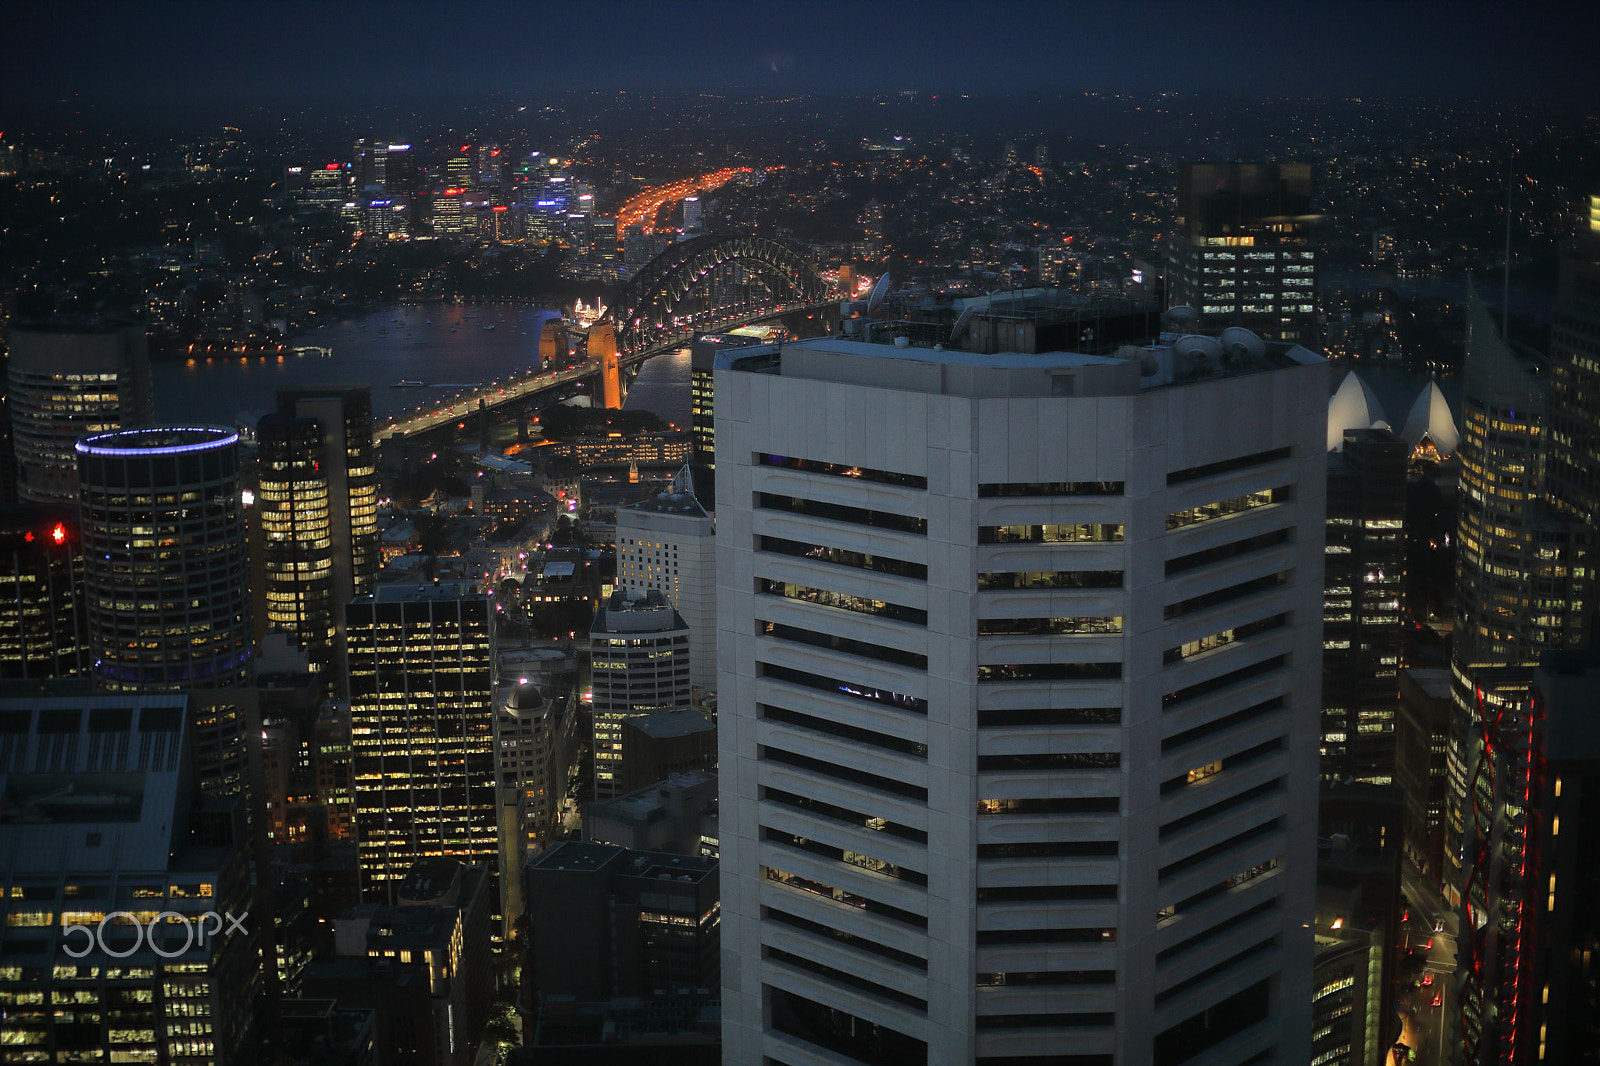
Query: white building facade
640, 664
668, 542
1019, 699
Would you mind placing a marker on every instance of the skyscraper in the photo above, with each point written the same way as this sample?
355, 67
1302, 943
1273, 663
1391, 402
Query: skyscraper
422, 728
1557, 891
1524, 586
668, 542
317, 503
164, 561
702, 408
1525, 590
1363, 625
109, 862
1572, 458
1521, 572
1018, 702
41, 593
66, 382
1241, 254
640, 663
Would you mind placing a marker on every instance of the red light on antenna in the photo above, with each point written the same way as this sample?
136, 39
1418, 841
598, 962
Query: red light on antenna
28, 536
59, 534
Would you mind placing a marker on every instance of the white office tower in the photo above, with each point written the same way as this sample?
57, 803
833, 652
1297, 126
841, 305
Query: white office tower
668, 542
1019, 702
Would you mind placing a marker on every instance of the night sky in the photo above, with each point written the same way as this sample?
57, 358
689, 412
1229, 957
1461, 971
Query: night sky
167, 53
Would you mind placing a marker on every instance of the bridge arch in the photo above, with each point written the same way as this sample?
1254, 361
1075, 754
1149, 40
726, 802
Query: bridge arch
646, 307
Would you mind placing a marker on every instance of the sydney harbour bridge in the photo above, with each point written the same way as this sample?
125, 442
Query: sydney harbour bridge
705, 284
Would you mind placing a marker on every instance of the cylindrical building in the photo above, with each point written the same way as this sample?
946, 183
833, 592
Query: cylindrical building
67, 382
165, 570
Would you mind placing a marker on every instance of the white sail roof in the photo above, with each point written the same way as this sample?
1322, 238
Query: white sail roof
1354, 406
1430, 417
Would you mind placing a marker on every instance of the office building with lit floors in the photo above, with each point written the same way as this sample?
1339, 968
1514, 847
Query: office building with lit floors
111, 861
165, 570
41, 593
1363, 628
668, 542
640, 664
1524, 586
66, 381
1019, 700
1241, 253
422, 729
1557, 894
317, 506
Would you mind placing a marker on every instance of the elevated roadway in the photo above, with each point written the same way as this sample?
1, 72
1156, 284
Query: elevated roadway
532, 387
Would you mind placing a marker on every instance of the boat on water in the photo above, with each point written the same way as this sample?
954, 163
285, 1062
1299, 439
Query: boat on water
407, 383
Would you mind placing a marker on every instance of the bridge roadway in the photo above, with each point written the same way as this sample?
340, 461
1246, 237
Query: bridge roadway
532, 385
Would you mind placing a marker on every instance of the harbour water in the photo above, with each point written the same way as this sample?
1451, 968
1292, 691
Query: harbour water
450, 349
663, 387
446, 347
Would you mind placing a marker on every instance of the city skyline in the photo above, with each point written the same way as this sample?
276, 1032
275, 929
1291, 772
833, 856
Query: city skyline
1010, 605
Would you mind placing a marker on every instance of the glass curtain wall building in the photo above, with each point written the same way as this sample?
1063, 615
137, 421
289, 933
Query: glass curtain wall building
422, 728
317, 503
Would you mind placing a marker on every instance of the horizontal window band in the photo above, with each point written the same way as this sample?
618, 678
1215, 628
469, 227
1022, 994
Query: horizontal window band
850, 980
1223, 552
861, 473
833, 642
1030, 580
1225, 466
843, 557
859, 943
1023, 716
897, 700
1050, 488
788, 590
844, 773
838, 512
846, 732
843, 815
